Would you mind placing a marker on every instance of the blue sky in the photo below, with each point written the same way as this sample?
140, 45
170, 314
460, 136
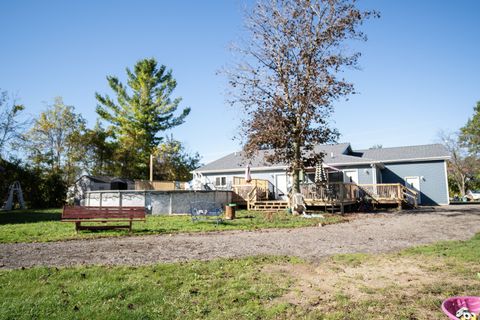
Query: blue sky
419, 70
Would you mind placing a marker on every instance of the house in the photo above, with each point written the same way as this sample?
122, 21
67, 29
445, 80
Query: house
421, 168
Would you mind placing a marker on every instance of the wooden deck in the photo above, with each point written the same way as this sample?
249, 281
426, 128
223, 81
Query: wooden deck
331, 196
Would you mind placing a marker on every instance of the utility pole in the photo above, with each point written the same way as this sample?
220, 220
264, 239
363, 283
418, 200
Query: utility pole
151, 168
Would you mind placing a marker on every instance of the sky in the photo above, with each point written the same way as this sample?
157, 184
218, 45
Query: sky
419, 70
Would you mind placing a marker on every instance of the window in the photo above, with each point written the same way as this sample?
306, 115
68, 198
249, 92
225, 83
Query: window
335, 176
220, 181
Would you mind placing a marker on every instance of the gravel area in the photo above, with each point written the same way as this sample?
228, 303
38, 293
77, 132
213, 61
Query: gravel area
371, 234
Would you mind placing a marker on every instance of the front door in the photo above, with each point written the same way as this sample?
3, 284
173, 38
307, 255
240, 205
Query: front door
281, 186
350, 176
414, 184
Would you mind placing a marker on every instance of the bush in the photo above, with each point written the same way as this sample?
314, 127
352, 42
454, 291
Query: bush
41, 189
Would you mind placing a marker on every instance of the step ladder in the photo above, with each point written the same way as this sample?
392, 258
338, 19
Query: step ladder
14, 188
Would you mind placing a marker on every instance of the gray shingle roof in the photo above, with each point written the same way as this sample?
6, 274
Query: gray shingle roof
236, 160
406, 153
342, 155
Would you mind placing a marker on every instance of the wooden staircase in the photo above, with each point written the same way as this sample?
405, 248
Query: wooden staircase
270, 205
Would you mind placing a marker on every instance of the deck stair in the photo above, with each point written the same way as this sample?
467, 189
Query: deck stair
370, 194
271, 205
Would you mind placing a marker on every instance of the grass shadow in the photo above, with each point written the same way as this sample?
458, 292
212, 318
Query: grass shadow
29, 216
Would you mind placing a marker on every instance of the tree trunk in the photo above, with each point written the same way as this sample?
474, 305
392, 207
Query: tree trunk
462, 186
296, 169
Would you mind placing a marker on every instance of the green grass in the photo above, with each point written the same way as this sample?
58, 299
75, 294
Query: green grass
45, 225
222, 289
461, 251
248, 288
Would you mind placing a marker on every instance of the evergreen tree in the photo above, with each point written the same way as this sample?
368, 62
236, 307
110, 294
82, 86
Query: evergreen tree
143, 109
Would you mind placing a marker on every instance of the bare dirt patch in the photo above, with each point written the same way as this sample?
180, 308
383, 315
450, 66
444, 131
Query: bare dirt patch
384, 233
367, 280
372, 284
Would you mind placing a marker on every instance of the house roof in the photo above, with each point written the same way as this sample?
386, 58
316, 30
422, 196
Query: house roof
409, 153
335, 154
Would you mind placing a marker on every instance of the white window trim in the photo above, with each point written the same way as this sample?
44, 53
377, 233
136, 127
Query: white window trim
419, 186
220, 185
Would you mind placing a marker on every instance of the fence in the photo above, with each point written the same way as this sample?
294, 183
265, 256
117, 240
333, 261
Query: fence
159, 185
157, 202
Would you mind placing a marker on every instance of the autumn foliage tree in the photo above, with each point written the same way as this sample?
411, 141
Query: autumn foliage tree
11, 126
288, 76
54, 142
172, 162
462, 167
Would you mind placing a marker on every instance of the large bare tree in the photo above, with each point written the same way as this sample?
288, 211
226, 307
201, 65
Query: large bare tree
11, 126
462, 167
288, 75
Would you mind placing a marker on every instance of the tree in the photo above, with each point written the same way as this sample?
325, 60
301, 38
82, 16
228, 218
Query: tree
470, 133
54, 141
173, 163
99, 151
287, 77
41, 188
10, 125
462, 167
140, 113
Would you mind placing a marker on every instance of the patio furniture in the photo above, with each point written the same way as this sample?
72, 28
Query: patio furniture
204, 210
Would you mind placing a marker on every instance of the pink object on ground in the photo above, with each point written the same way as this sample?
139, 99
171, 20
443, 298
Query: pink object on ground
451, 305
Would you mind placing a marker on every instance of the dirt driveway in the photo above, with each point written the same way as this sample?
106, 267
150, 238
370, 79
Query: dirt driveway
381, 233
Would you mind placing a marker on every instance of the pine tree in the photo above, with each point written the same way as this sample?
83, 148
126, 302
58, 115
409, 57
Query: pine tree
143, 109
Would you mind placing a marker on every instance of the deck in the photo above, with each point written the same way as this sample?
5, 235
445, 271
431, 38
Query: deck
333, 195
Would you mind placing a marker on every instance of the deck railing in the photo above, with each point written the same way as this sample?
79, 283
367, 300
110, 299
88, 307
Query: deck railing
382, 191
344, 192
410, 196
332, 192
249, 193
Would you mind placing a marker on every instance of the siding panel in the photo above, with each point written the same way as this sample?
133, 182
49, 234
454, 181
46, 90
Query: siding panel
433, 186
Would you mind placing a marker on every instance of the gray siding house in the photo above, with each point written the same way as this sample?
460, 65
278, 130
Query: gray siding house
422, 168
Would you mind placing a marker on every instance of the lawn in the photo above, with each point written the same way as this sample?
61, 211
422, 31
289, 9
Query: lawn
45, 225
407, 285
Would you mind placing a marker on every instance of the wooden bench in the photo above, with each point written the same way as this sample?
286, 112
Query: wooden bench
79, 214
204, 210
